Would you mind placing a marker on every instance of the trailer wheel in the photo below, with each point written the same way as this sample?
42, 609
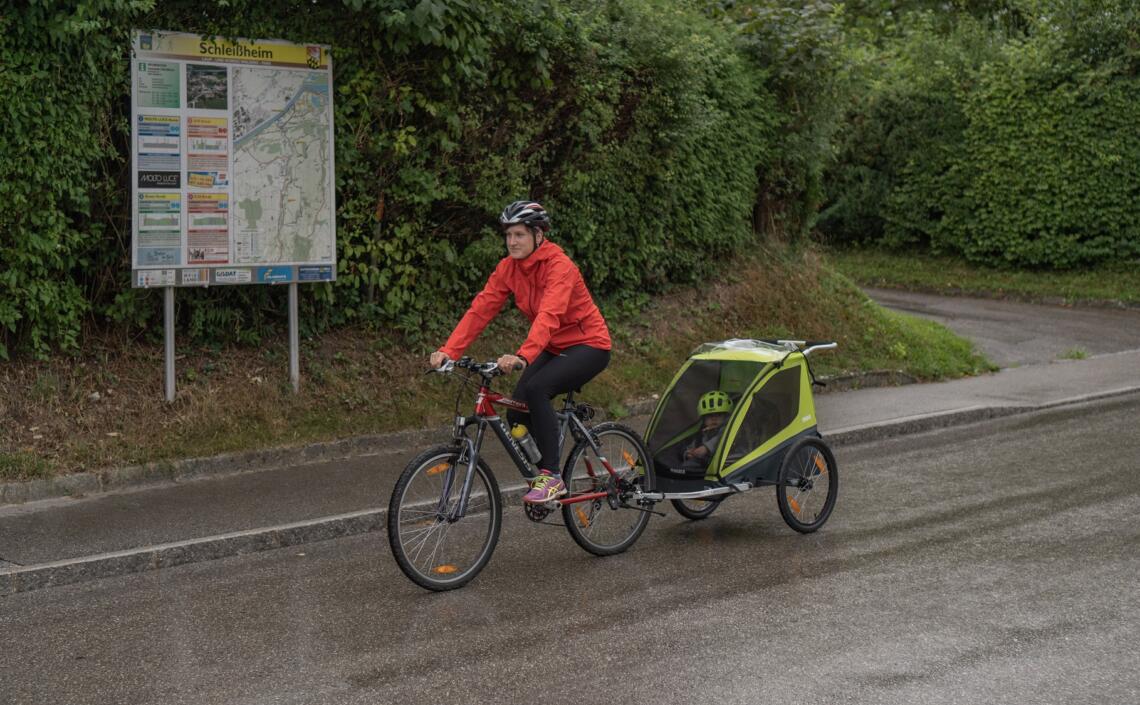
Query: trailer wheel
808, 485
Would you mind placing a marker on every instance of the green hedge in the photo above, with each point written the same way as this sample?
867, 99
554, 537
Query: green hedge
1053, 156
638, 122
1013, 149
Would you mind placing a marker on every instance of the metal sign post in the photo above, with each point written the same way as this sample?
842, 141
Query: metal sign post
168, 322
294, 340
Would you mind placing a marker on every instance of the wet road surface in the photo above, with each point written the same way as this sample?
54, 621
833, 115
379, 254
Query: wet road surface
986, 564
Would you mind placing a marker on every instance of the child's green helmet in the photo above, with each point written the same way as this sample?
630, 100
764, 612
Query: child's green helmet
715, 402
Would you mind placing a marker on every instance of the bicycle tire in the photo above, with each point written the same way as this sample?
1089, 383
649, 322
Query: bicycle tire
696, 509
807, 472
596, 525
415, 522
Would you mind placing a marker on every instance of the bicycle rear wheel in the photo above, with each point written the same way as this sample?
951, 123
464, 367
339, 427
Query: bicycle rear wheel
808, 485
434, 550
610, 524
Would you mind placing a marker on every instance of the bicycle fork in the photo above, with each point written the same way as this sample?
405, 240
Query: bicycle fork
470, 450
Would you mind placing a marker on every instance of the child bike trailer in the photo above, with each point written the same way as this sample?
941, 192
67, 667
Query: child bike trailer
739, 415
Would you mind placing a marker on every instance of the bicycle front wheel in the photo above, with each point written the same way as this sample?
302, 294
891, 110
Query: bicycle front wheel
808, 485
433, 547
610, 524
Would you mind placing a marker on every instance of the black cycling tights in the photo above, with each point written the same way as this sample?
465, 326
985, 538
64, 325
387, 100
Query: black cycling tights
544, 378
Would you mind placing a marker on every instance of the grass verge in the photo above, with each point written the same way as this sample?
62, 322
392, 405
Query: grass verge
105, 407
1115, 284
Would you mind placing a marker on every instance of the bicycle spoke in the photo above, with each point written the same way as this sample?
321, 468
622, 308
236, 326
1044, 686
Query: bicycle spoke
432, 562
418, 544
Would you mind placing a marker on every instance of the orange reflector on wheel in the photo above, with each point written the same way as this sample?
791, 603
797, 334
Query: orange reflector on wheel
445, 569
629, 458
582, 518
794, 504
437, 469
821, 465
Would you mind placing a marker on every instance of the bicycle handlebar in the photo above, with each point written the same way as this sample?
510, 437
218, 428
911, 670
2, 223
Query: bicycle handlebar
487, 369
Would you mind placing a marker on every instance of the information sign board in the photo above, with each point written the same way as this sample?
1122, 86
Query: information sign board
232, 161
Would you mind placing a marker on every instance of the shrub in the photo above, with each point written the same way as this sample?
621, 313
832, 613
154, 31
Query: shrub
638, 122
1007, 148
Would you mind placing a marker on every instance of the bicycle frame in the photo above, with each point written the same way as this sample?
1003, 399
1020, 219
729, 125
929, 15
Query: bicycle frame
486, 416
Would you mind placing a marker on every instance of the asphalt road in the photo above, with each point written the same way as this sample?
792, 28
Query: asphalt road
1013, 333
986, 564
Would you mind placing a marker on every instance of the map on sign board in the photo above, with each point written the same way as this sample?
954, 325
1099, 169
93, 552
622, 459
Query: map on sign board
233, 161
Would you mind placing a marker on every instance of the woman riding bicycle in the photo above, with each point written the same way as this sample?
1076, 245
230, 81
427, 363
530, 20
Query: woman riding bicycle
568, 343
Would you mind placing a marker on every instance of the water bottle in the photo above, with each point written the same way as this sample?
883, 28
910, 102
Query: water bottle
526, 441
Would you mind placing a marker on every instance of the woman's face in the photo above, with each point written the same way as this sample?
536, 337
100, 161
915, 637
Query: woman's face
520, 243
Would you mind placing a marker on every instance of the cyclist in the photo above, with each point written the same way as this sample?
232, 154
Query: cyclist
568, 343
712, 409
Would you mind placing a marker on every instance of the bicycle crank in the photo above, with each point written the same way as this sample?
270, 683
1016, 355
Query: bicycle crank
538, 512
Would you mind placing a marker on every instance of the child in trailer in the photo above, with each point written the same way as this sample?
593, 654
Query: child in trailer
712, 409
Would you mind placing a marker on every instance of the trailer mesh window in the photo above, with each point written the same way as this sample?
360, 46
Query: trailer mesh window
773, 407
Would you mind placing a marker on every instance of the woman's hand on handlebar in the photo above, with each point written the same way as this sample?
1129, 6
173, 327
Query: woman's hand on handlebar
511, 363
437, 359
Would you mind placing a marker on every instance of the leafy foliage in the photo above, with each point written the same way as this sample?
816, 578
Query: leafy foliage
1007, 139
801, 46
59, 70
663, 135
639, 123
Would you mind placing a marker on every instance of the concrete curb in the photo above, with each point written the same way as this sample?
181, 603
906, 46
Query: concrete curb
865, 380
26, 578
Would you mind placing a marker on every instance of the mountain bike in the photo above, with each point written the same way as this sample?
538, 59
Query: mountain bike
446, 511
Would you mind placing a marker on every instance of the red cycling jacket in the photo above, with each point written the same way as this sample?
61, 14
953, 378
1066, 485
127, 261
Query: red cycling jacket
550, 291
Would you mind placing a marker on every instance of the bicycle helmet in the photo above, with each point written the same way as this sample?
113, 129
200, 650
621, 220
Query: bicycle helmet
715, 402
526, 213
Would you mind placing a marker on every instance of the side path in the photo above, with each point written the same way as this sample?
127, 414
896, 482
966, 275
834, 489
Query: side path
59, 541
